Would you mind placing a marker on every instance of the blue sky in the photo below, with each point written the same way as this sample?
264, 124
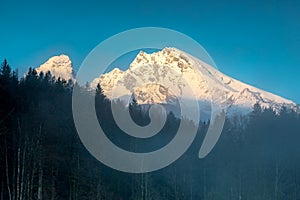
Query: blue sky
256, 41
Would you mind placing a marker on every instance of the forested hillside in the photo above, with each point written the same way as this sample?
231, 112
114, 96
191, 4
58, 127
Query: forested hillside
41, 156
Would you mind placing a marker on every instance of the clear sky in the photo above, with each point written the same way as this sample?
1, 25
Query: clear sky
257, 42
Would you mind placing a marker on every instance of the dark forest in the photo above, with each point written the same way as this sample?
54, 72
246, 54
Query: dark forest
41, 155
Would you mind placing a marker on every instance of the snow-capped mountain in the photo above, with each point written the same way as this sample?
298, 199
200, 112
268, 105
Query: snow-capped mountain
59, 66
153, 78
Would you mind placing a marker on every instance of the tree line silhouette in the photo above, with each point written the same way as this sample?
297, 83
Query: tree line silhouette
41, 156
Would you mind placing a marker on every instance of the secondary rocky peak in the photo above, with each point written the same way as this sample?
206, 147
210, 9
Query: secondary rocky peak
59, 66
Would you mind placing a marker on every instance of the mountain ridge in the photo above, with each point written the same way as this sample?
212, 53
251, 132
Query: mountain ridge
153, 78
156, 67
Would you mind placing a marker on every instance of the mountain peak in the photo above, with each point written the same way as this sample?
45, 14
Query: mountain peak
59, 66
172, 57
174, 69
